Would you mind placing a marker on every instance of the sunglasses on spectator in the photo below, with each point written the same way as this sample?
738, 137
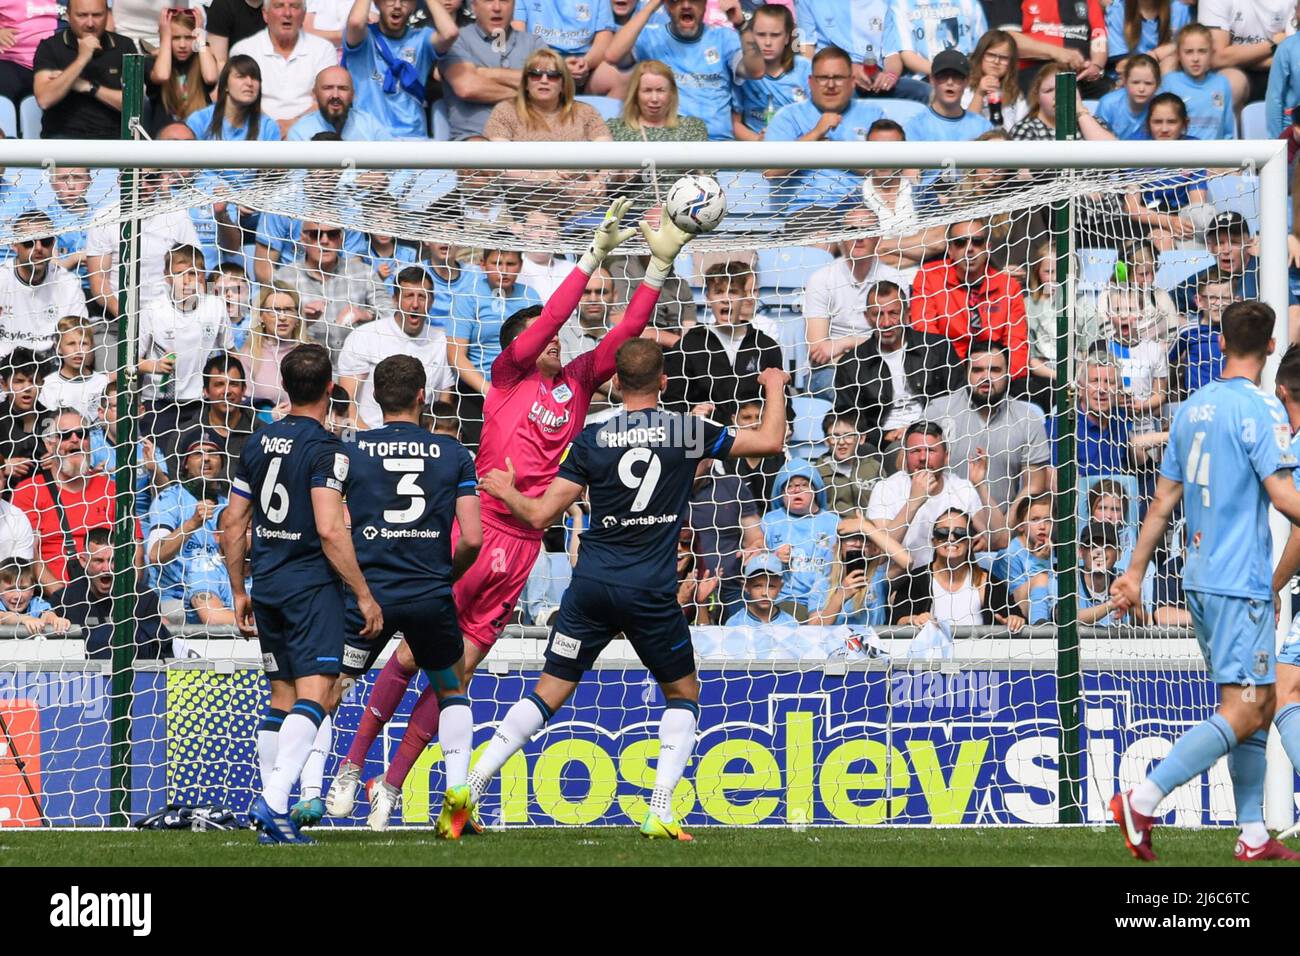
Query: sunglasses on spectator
548, 74
831, 77
322, 233
980, 241
950, 534
45, 241
77, 433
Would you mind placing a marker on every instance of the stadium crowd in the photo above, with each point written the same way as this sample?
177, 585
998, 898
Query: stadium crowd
919, 477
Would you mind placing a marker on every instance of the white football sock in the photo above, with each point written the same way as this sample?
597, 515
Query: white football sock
456, 735
1146, 797
676, 741
296, 736
313, 771
522, 721
1254, 834
268, 743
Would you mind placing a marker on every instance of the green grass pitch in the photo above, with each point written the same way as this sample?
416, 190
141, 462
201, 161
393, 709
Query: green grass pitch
815, 846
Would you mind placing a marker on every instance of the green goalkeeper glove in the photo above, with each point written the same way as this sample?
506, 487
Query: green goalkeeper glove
665, 243
608, 236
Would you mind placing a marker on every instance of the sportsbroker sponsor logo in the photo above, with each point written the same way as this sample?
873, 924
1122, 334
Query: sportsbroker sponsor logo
77, 909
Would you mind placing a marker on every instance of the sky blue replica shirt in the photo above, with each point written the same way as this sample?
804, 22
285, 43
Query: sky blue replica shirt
932, 127
743, 618
1113, 110
1208, 101
173, 507
855, 26
757, 100
1283, 86
360, 126
821, 187
566, 26
1180, 14
388, 92
704, 68
205, 574
1226, 439
478, 314
200, 123
928, 27
447, 294
812, 540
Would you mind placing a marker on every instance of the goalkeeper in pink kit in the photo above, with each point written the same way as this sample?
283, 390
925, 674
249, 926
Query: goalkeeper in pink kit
533, 409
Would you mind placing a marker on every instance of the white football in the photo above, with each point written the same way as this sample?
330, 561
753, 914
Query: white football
696, 203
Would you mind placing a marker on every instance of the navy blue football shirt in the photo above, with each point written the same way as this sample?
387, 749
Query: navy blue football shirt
279, 467
405, 483
639, 468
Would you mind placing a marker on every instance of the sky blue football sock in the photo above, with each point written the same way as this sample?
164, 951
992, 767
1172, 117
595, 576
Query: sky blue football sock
1194, 753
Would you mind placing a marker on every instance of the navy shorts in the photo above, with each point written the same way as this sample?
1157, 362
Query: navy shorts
592, 612
302, 634
429, 625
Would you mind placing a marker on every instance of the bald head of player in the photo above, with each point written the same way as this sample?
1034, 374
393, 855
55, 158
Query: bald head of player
399, 388
307, 378
640, 374
548, 363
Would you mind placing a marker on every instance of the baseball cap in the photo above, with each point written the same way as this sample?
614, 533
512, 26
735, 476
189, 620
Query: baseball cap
950, 61
766, 563
1229, 222
1100, 534
199, 438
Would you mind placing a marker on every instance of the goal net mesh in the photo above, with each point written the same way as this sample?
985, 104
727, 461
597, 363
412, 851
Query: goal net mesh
864, 677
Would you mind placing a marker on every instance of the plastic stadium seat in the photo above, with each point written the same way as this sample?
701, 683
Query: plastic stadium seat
782, 274
900, 111
8, 117
791, 335
440, 123
808, 439
1237, 194
608, 107
1096, 268
1179, 265
1254, 122
749, 202
29, 114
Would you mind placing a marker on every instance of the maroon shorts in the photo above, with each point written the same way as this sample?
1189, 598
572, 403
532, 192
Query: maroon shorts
487, 593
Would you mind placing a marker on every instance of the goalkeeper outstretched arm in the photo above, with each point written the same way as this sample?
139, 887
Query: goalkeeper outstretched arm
528, 346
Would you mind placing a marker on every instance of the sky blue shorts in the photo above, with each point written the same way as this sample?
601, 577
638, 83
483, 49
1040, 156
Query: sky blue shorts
1237, 637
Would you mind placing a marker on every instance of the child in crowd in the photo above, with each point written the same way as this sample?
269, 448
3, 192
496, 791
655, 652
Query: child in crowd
1098, 556
1196, 358
229, 283
1143, 365
21, 606
1207, 93
76, 384
802, 533
1026, 565
785, 76
764, 582
1124, 109
1175, 209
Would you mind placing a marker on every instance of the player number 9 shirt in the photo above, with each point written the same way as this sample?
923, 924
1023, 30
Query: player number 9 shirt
639, 469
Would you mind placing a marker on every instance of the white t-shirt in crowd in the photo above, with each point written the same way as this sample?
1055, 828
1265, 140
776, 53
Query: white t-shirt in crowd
29, 314
373, 342
544, 279
190, 336
287, 84
907, 406
16, 537
331, 15
157, 235
833, 293
84, 394
1247, 21
958, 608
889, 497
1139, 367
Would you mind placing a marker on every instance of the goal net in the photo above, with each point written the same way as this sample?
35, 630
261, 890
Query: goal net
900, 620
